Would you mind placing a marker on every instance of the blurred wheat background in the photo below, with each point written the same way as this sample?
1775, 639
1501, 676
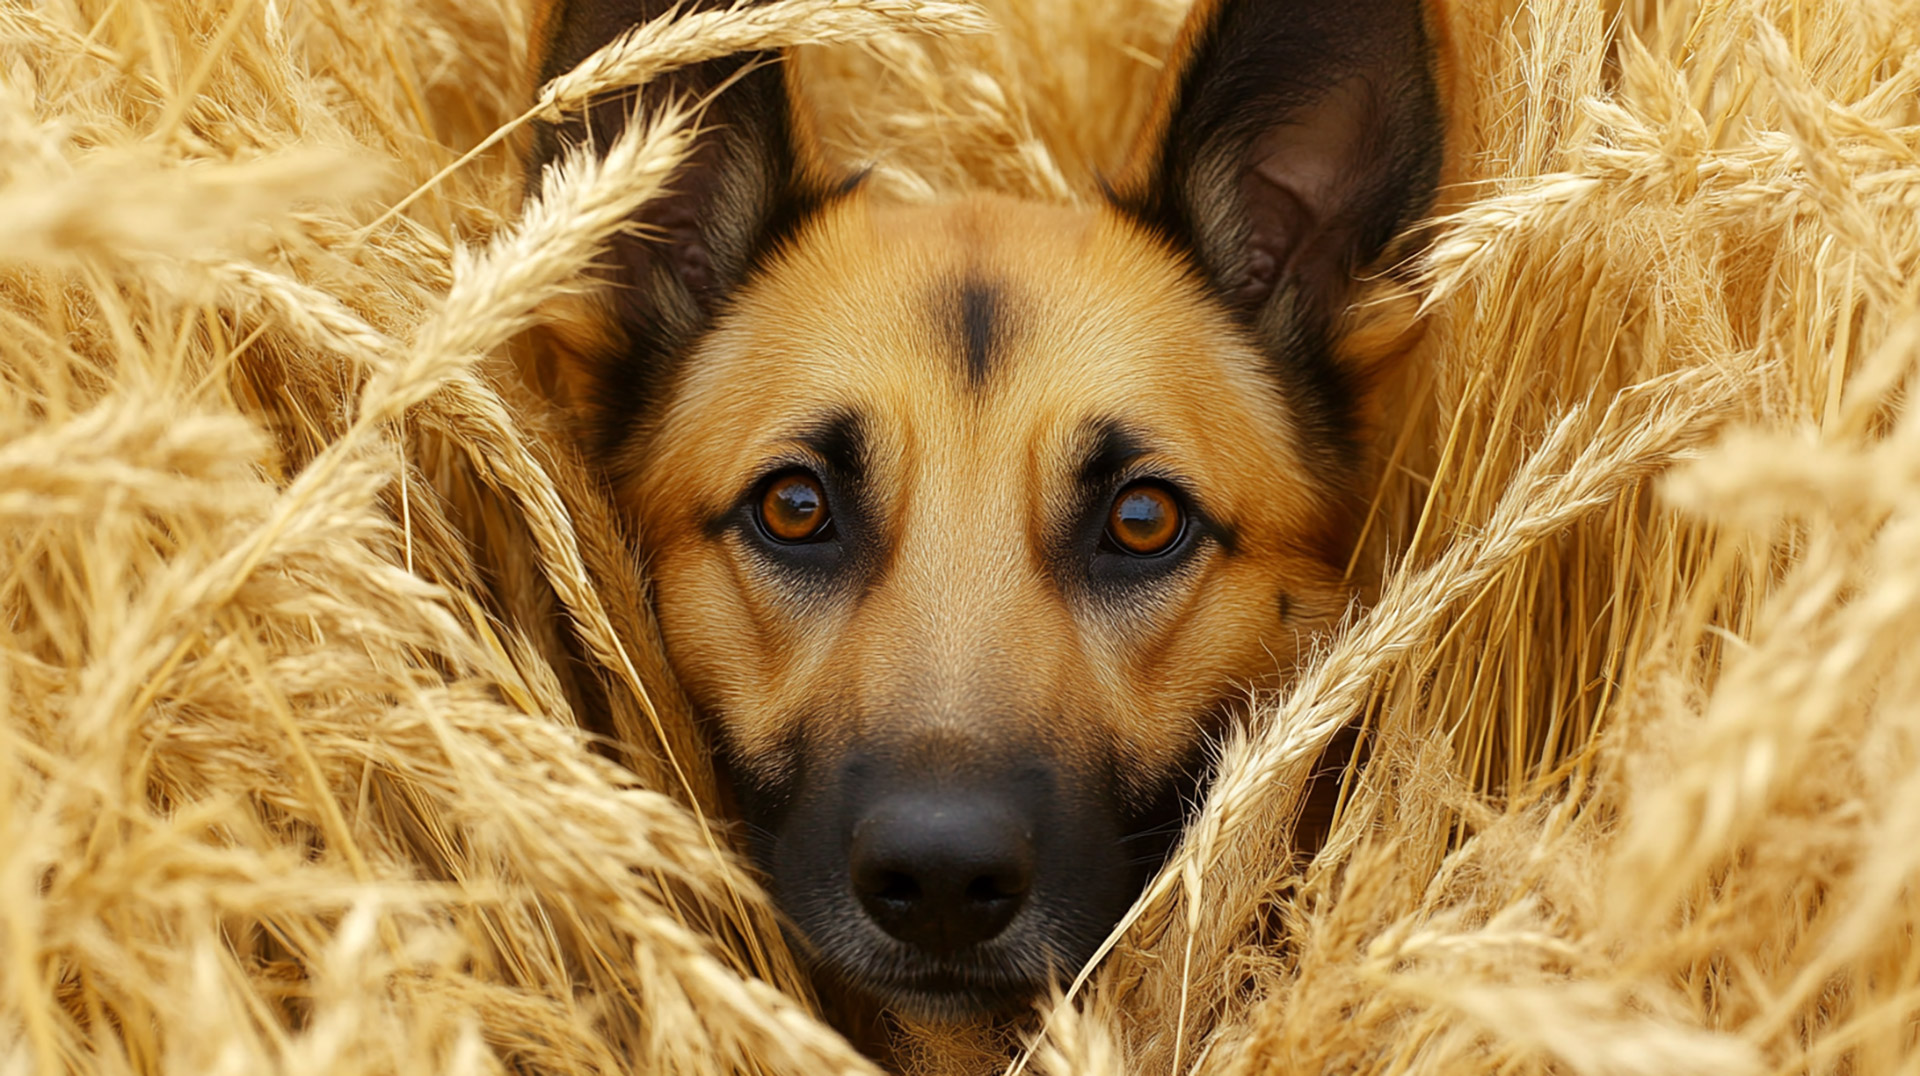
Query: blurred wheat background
336, 738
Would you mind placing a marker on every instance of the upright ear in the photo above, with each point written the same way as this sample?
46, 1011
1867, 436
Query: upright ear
1295, 139
740, 191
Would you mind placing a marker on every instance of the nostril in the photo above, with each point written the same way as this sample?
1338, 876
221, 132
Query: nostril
897, 888
992, 888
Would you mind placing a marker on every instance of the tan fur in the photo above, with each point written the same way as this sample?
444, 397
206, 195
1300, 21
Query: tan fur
964, 630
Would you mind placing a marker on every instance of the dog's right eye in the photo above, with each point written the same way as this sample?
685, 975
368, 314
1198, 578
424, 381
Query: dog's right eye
794, 508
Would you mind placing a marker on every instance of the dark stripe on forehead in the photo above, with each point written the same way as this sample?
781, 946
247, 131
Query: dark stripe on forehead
978, 316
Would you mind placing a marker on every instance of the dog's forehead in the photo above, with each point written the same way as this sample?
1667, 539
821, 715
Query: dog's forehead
987, 330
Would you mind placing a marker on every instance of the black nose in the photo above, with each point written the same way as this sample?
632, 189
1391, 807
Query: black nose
942, 871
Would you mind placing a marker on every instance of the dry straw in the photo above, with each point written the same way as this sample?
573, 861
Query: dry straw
337, 737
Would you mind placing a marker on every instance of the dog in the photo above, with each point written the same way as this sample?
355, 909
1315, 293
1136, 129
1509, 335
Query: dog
972, 525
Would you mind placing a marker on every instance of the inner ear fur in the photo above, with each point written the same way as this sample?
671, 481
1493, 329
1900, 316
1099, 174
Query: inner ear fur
1294, 140
742, 189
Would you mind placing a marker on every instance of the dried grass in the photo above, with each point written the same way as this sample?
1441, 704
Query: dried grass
304, 597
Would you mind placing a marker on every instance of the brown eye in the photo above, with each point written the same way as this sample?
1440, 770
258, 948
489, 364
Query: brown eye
794, 508
1145, 520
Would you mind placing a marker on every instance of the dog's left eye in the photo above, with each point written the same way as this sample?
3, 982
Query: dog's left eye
794, 508
1145, 519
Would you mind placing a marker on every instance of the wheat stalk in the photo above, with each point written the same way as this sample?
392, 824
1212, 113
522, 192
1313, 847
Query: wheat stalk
644, 52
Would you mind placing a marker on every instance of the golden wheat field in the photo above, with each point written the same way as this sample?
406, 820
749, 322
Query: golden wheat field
337, 739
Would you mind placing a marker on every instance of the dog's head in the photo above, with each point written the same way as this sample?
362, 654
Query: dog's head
969, 524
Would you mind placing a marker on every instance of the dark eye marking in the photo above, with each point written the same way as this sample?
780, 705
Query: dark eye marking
1112, 449
841, 443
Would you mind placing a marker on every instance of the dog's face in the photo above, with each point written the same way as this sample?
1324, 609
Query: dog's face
967, 523
970, 524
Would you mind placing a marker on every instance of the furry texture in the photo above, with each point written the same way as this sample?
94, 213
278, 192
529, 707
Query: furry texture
304, 592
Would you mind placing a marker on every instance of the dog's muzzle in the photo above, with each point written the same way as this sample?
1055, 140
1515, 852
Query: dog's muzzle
947, 884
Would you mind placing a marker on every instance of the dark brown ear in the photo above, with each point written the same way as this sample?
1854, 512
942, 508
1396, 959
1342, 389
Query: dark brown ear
740, 192
1296, 138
